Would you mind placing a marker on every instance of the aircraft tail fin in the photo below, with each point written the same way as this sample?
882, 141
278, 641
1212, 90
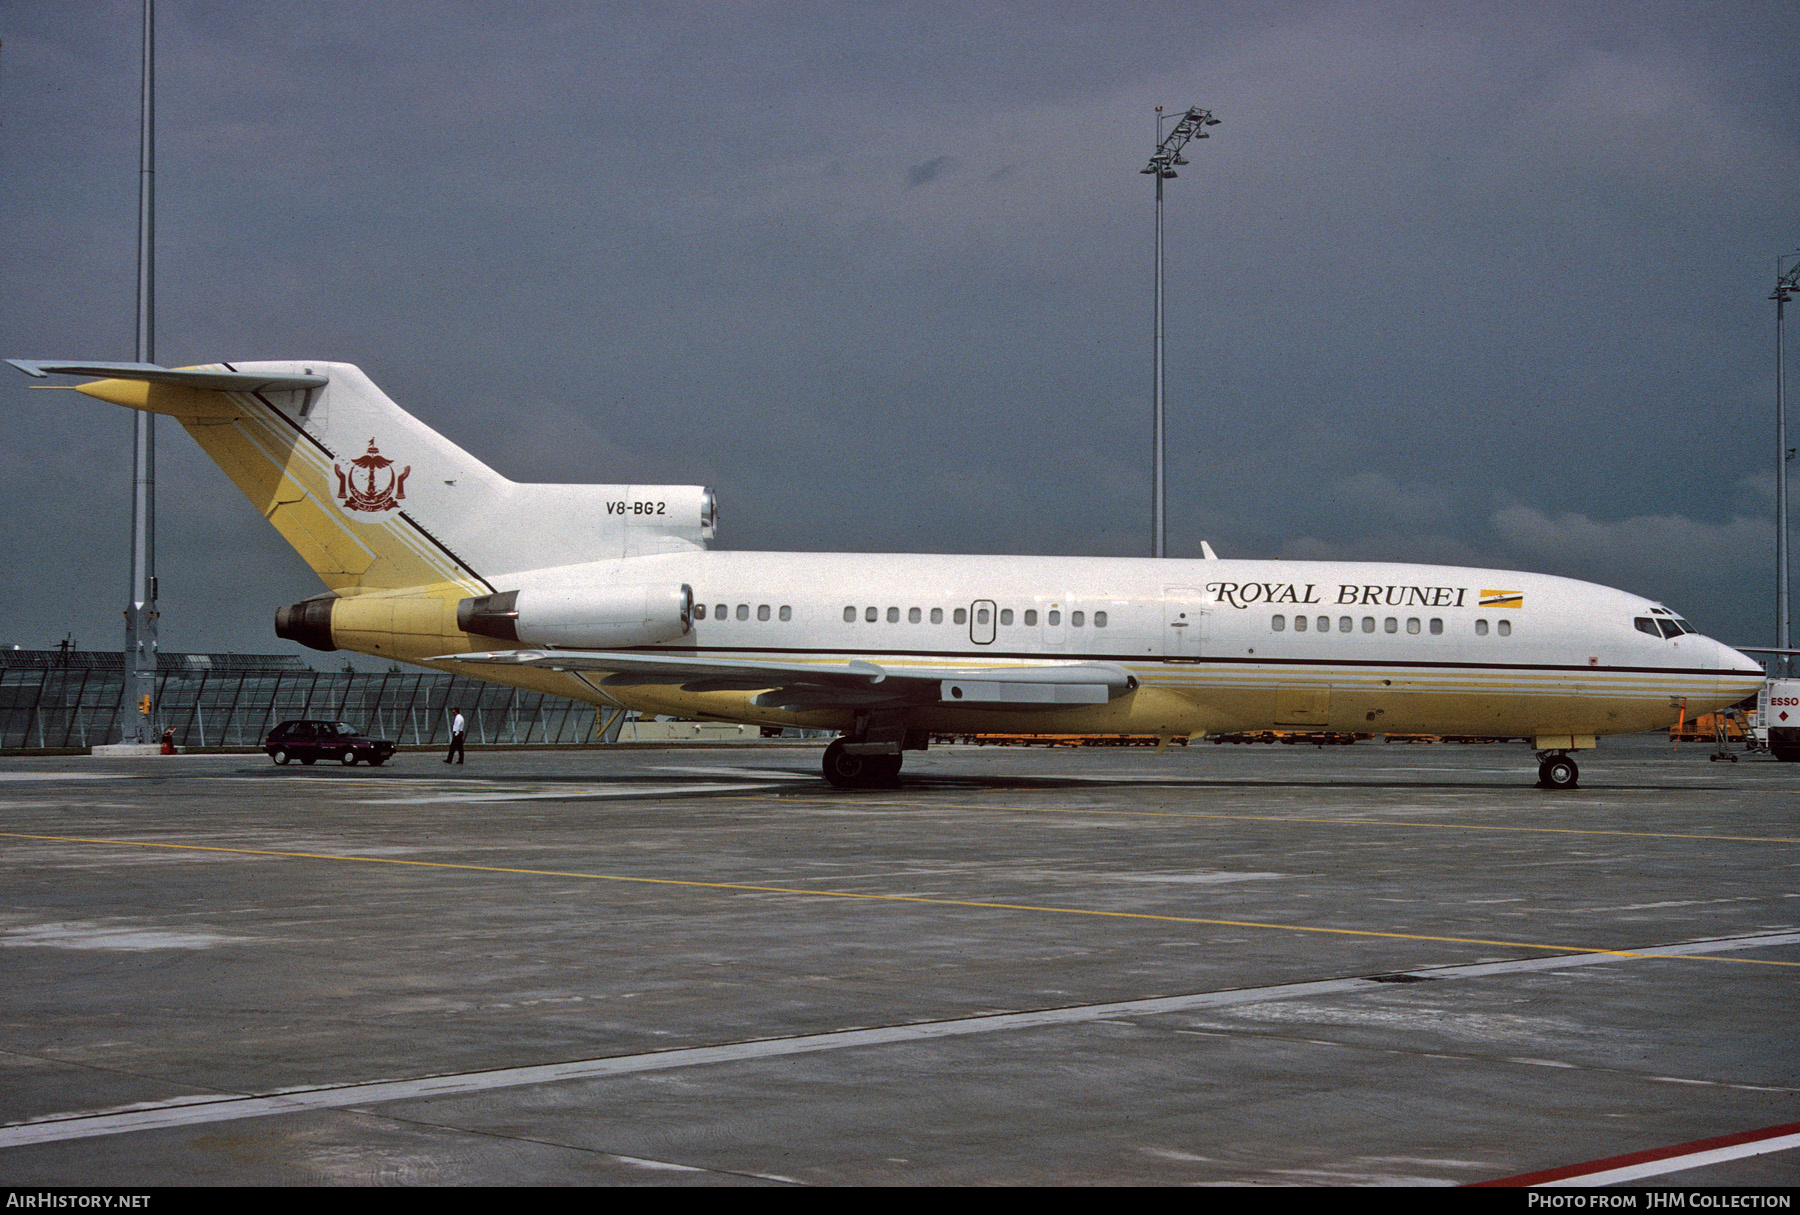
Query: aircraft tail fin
375, 500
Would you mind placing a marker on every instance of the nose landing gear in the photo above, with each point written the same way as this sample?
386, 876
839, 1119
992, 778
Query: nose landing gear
1557, 771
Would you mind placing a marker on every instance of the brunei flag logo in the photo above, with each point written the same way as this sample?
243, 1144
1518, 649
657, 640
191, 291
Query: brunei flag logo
1503, 599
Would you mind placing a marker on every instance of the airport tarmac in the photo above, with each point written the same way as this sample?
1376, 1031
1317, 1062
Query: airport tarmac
1249, 965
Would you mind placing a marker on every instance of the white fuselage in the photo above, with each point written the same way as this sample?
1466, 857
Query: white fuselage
1217, 645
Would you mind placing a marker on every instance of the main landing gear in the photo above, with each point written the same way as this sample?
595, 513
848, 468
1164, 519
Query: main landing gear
847, 771
869, 752
1557, 770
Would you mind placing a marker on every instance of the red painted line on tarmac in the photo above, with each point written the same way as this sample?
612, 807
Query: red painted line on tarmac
1695, 1148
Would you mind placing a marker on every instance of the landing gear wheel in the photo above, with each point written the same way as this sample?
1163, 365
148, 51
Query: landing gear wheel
280, 756
1558, 772
845, 771
859, 771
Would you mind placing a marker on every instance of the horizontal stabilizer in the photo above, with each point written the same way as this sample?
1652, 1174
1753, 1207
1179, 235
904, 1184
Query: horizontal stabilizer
217, 381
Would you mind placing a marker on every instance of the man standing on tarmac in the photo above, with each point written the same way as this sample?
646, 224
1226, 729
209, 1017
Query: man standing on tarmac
458, 728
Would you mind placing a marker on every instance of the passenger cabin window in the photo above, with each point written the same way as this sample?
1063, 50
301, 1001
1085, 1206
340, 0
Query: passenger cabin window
1412, 624
893, 615
743, 612
1099, 620
1076, 619
1279, 624
1031, 617
699, 611
1390, 625
872, 615
1299, 624
1505, 628
1437, 626
1324, 623
762, 611
1345, 624
849, 615
722, 612
1005, 615
1481, 628
913, 615
981, 615
937, 615
1368, 625
960, 616
1053, 617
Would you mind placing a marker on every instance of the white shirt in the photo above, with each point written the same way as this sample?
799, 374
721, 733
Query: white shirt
456, 725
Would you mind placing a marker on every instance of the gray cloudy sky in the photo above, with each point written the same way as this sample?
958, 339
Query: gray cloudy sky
1467, 283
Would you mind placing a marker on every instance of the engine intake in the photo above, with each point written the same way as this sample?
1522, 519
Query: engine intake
490, 616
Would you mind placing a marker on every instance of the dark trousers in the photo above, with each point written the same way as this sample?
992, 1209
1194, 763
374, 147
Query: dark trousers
456, 749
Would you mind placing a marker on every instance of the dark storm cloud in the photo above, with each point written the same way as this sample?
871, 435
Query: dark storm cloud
1448, 282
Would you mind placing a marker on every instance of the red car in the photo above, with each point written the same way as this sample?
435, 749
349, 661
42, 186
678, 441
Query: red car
311, 741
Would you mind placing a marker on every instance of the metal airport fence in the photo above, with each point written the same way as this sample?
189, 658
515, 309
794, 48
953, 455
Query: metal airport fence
60, 699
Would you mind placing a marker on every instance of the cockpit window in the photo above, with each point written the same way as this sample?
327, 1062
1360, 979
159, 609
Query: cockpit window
1662, 625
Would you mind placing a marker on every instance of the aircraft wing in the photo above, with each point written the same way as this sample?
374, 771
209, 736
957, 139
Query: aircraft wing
800, 686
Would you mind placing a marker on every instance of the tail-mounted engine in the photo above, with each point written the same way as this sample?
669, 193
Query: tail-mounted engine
586, 617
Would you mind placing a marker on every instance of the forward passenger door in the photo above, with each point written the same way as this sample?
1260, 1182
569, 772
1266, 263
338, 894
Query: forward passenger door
981, 622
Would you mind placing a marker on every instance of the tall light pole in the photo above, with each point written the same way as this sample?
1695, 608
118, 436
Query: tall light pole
140, 613
1787, 281
1191, 125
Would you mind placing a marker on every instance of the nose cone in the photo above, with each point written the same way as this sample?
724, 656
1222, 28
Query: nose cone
1737, 670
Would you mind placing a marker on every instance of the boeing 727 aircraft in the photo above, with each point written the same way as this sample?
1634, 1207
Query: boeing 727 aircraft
608, 594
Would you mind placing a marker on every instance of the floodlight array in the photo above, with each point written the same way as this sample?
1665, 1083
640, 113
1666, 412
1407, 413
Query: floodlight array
1191, 125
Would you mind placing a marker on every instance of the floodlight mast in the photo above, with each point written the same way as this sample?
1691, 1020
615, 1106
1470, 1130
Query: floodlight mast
141, 613
1191, 125
1787, 281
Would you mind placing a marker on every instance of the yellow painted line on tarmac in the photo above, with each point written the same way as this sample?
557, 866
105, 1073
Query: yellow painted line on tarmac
1270, 818
890, 898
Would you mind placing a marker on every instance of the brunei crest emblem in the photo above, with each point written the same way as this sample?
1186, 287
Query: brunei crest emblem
371, 484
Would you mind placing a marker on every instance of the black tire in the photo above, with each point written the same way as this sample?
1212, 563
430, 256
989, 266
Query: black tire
280, 756
845, 771
309, 760
375, 761
1558, 772
348, 759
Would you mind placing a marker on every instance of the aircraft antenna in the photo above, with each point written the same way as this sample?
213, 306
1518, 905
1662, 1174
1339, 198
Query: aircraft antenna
1191, 125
